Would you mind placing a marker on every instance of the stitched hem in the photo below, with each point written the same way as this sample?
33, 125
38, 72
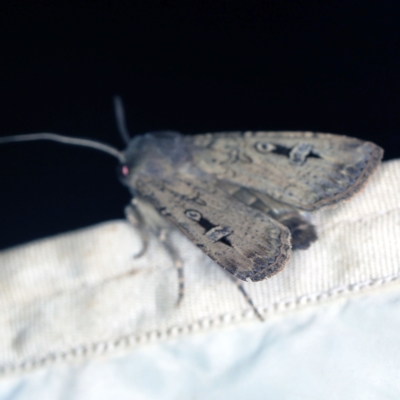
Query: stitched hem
120, 345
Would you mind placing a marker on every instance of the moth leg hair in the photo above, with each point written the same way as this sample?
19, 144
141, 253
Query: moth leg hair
155, 224
239, 285
134, 217
163, 236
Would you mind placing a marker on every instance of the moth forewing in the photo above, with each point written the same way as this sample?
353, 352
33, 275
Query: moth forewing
246, 242
304, 169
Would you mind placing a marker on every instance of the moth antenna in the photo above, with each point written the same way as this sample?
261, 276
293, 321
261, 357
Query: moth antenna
120, 118
66, 140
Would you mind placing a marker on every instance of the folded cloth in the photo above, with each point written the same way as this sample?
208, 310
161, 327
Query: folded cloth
79, 307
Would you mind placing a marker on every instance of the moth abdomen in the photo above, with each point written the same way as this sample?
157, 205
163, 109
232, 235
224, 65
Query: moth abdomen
302, 232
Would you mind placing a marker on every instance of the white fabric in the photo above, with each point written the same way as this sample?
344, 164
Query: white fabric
82, 319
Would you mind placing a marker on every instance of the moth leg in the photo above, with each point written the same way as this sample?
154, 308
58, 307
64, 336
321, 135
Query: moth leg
181, 281
160, 227
247, 297
163, 236
134, 217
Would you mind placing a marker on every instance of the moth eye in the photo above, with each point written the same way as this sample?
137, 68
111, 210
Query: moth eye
124, 170
193, 214
264, 147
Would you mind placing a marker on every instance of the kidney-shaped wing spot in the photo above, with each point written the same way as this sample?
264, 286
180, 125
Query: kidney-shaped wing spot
213, 233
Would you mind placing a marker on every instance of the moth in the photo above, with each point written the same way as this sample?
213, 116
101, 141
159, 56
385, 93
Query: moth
238, 196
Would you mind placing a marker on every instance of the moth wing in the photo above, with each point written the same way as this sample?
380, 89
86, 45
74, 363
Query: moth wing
304, 169
245, 242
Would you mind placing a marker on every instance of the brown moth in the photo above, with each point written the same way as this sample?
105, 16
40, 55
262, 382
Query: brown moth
238, 196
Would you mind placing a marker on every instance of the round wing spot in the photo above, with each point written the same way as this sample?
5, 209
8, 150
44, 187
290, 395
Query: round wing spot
193, 214
264, 147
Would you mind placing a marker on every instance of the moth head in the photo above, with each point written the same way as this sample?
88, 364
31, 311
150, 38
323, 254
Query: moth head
154, 153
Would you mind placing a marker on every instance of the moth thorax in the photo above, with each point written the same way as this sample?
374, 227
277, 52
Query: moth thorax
156, 153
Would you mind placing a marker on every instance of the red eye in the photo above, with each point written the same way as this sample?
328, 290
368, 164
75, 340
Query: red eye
125, 170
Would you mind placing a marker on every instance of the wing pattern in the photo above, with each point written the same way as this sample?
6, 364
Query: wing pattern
304, 169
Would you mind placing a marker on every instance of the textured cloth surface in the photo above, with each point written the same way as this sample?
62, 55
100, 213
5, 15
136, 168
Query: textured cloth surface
82, 318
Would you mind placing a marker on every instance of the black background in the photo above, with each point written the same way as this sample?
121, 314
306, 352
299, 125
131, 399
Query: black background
191, 66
